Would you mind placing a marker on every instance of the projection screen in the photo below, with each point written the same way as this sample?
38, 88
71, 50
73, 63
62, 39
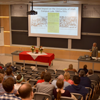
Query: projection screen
55, 21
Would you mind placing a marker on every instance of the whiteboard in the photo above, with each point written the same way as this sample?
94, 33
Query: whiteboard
1, 37
91, 11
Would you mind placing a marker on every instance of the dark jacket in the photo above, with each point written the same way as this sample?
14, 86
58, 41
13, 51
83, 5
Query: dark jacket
77, 89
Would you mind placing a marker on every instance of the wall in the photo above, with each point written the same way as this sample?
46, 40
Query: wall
8, 49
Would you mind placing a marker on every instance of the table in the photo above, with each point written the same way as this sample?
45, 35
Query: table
91, 64
41, 58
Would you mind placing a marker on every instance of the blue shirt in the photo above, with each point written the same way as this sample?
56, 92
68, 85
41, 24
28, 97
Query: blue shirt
9, 96
65, 84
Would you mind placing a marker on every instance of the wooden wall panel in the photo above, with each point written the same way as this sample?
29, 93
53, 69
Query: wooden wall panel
2, 49
4, 10
97, 66
5, 24
6, 38
89, 65
7, 50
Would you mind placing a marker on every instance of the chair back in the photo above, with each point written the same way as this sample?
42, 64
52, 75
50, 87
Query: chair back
78, 96
50, 71
66, 98
32, 82
71, 72
42, 96
60, 72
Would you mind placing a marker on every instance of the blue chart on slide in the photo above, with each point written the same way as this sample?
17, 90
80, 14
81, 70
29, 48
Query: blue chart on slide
55, 20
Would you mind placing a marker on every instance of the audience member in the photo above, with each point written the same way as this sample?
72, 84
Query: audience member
84, 80
25, 91
71, 68
67, 78
9, 74
42, 78
19, 80
10, 66
8, 86
84, 68
77, 88
60, 91
2, 91
46, 87
61, 77
2, 71
93, 76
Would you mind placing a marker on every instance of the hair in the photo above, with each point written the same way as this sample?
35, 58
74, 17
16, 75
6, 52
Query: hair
47, 77
85, 67
70, 66
82, 73
2, 71
66, 76
76, 79
8, 84
42, 75
1, 78
60, 84
9, 71
25, 90
19, 77
90, 71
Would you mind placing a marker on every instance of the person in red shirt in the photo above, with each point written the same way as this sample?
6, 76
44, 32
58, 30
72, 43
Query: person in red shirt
42, 78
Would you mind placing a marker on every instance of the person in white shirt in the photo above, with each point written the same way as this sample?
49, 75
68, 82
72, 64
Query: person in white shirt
19, 80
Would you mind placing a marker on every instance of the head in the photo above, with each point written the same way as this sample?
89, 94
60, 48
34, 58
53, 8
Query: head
82, 73
90, 71
60, 84
25, 91
85, 67
8, 85
19, 78
8, 65
94, 44
70, 66
66, 76
61, 77
42, 75
1, 78
1, 71
47, 77
9, 71
76, 79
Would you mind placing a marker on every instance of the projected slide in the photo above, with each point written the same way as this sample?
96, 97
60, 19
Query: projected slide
55, 21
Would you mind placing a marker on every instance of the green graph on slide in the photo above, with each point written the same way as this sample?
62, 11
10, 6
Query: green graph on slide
53, 22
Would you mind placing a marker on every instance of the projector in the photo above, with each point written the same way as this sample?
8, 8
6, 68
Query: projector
32, 12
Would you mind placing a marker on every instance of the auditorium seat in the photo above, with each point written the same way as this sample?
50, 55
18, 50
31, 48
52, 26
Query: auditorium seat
60, 72
35, 72
50, 71
66, 98
90, 92
22, 73
18, 67
34, 76
32, 82
27, 77
71, 72
1, 65
78, 96
41, 96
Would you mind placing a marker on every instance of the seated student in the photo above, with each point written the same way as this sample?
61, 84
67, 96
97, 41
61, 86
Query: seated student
42, 78
8, 86
9, 74
10, 66
67, 78
71, 68
93, 76
84, 80
45, 87
61, 77
19, 80
2, 91
84, 68
26, 92
60, 91
2, 71
77, 88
